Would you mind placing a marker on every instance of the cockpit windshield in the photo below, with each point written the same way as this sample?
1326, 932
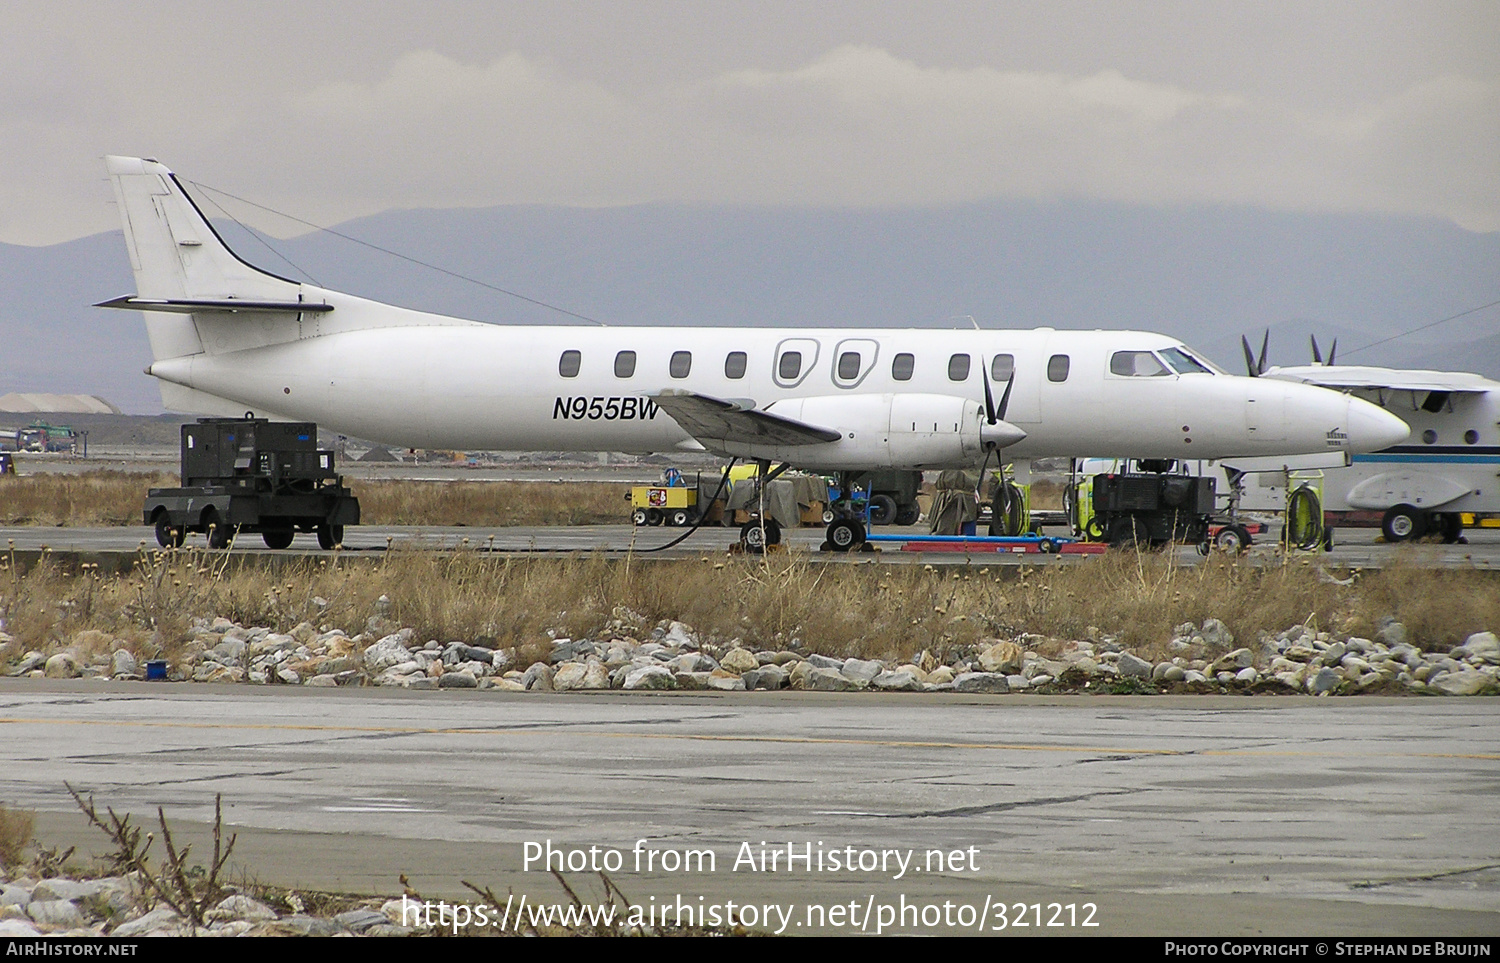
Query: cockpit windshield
1184, 363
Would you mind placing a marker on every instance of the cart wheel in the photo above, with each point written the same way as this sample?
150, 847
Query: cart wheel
828, 516
277, 537
653, 516
220, 533
330, 537
1232, 539
1127, 532
167, 534
638, 517
680, 518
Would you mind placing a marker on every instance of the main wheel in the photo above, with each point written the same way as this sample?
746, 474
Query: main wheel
1403, 522
908, 514
167, 534
882, 510
680, 518
330, 537
846, 535
755, 539
1450, 526
638, 517
278, 537
220, 533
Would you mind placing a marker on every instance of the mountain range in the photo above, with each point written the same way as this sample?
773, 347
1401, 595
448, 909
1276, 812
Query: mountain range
1203, 274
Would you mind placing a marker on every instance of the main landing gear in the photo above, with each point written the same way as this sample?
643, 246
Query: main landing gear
847, 531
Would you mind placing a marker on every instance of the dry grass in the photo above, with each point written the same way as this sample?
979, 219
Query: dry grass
99, 498
491, 504
89, 499
15, 834
889, 612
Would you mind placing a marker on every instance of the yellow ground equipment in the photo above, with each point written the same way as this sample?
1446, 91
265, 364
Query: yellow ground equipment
664, 504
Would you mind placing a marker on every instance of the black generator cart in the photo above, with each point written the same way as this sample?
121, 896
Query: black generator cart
1152, 508
252, 475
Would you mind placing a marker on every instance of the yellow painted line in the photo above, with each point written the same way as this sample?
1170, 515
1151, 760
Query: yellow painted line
698, 737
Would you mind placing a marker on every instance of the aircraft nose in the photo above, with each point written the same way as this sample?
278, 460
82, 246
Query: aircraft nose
1372, 428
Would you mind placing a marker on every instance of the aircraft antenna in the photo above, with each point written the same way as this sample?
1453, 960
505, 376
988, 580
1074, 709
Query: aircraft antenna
1424, 327
398, 254
263, 242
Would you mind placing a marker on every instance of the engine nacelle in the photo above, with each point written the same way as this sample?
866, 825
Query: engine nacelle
906, 431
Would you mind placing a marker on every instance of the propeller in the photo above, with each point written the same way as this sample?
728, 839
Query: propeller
1318, 355
996, 432
1255, 368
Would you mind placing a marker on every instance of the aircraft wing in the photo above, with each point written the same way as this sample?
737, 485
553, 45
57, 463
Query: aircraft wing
1356, 376
712, 420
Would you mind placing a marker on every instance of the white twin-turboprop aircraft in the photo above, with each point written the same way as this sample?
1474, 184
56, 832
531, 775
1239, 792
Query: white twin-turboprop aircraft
227, 337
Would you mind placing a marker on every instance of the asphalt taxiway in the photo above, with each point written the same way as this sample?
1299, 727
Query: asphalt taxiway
1199, 815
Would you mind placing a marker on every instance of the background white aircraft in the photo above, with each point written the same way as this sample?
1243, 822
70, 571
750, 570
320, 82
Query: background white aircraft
228, 337
1449, 465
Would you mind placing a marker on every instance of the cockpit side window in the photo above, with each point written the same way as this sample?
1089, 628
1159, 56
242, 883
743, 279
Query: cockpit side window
1185, 363
1136, 364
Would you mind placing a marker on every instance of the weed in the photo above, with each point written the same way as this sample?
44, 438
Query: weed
191, 891
16, 826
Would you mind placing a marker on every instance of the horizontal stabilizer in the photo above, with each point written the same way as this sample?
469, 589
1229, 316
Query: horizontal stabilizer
711, 420
200, 305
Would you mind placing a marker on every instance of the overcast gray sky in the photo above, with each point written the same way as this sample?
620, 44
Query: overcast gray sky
334, 110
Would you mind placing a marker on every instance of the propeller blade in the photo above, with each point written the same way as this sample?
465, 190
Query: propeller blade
1260, 365
1249, 357
1005, 398
1331, 349
1317, 355
989, 399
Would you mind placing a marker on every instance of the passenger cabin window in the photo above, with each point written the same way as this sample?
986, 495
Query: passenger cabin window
790, 366
625, 364
958, 368
902, 365
1136, 364
681, 364
849, 366
734, 365
568, 364
1003, 367
1057, 368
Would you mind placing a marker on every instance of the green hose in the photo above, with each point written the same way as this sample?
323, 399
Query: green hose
1304, 520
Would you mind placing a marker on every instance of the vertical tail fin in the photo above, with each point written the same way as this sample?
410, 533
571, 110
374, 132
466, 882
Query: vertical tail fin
178, 257
174, 251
